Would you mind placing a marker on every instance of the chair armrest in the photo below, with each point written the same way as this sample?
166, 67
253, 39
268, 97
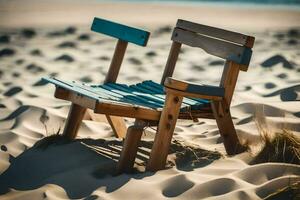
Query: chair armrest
189, 89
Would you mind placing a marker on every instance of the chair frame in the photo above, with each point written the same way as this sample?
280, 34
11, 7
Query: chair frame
237, 53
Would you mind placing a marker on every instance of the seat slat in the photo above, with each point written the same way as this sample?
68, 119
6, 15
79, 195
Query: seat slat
147, 94
161, 99
124, 92
136, 99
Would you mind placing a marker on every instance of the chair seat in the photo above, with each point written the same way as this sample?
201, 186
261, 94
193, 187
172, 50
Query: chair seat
146, 95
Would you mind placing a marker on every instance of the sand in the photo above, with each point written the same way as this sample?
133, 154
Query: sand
53, 39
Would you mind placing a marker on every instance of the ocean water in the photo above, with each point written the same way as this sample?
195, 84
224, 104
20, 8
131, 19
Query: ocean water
259, 2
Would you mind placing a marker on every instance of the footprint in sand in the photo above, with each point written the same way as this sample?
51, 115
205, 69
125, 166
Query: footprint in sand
293, 33
4, 39
36, 52
282, 75
34, 68
270, 85
84, 37
104, 58
7, 52
135, 61
65, 57
274, 60
16, 74
28, 33
151, 54
20, 61
67, 31
67, 44
12, 91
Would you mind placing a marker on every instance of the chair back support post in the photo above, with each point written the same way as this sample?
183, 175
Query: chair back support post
229, 79
171, 62
116, 62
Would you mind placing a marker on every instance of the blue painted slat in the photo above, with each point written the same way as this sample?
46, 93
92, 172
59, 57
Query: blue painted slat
150, 85
123, 32
145, 94
138, 95
135, 98
161, 97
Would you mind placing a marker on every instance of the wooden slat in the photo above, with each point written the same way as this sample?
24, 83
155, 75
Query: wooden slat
159, 88
116, 62
142, 96
194, 88
171, 62
222, 49
186, 101
188, 94
122, 32
216, 32
127, 111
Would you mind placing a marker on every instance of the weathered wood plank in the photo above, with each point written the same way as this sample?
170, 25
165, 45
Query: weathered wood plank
171, 62
231, 36
219, 48
194, 88
229, 79
188, 94
126, 33
124, 110
150, 85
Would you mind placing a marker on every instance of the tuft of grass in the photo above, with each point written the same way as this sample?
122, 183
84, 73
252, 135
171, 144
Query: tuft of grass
56, 139
282, 147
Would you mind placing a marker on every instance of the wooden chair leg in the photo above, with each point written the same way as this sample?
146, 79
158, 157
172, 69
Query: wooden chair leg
130, 147
165, 131
74, 119
226, 128
118, 125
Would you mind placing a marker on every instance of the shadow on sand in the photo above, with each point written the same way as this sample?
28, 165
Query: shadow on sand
83, 165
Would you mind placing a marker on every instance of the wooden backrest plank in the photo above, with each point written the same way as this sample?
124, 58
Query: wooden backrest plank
120, 31
231, 36
222, 49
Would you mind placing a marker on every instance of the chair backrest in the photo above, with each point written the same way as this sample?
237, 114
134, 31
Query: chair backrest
235, 48
124, 34
228, 45
120, 31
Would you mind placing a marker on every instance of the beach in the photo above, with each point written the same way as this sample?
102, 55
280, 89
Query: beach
53, 38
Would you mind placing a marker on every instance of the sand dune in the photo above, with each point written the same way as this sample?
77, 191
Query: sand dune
37, 164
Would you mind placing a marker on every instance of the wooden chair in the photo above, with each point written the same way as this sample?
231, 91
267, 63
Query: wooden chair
154, 104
